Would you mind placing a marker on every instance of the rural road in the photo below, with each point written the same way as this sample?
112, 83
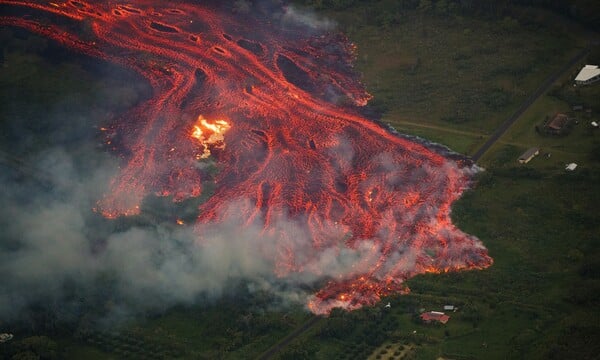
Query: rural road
291, 336
545, 86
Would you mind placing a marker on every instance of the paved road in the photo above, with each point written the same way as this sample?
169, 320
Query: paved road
545, 86
288, 339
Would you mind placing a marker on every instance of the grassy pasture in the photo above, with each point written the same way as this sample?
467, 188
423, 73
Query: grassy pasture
460, 73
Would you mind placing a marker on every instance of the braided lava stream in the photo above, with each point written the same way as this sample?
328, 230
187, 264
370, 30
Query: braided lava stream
276, 108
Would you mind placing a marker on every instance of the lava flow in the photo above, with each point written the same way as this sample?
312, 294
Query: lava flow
276, 106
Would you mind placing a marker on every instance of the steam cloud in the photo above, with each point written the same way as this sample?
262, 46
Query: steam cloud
297, 17
51, 241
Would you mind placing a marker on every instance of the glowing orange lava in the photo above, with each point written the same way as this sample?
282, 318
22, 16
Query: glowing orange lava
301, 162
210, 135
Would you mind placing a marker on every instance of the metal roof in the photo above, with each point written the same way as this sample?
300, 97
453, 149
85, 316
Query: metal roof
529, 153
588, 72
571, 167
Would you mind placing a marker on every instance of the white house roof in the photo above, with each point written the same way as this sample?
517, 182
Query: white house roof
571, 167
588, 72
5, 337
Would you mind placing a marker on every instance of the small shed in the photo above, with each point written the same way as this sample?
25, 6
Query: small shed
589, 74
449, 308
557, 124
528, 155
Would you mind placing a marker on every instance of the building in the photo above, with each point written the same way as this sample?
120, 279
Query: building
588, 75
435, 316
528, 155
5, 337
449, 308
571, 167
558, 124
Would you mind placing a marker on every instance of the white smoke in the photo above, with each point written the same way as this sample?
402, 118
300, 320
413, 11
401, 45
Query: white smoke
49, 242
300, 17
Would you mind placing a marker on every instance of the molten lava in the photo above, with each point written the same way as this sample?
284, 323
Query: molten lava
210, 135
328, 184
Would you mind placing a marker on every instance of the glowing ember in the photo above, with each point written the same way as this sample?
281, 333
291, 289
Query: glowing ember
300, 160
210, 135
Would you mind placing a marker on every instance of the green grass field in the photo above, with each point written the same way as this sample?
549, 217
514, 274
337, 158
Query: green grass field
453, 80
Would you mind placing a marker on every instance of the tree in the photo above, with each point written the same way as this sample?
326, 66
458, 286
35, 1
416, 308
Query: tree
424, 6
40, 347
441, 7
25, 355
299, 351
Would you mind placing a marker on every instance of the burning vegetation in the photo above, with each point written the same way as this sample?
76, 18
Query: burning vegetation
344, 199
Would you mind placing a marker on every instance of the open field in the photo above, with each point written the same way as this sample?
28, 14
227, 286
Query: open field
454, 73
449, 80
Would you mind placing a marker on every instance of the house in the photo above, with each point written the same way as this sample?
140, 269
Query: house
557, 124
528, 155
589, 74
434, 316
571, 167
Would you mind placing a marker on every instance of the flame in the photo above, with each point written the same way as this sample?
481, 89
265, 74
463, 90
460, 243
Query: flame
210, 135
